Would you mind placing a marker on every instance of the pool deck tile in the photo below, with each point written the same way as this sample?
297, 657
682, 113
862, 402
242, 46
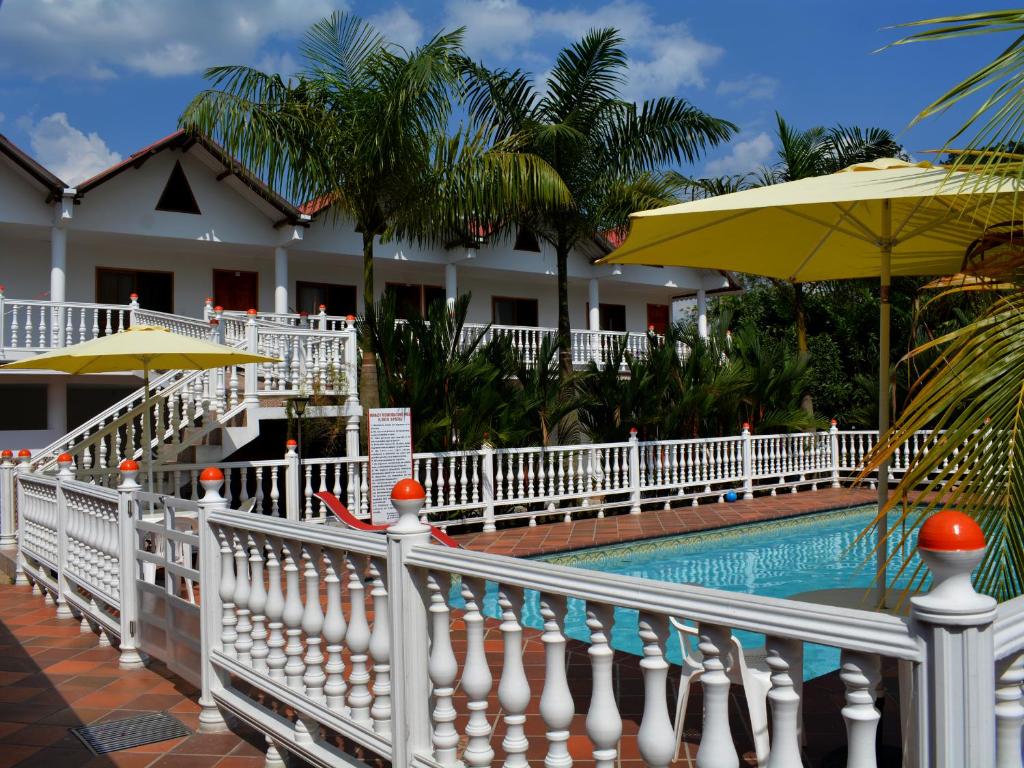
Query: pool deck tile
548, 538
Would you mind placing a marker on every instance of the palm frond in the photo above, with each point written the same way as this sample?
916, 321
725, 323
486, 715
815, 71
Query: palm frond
972, 399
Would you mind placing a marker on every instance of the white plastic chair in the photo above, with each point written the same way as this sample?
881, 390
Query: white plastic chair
743, 668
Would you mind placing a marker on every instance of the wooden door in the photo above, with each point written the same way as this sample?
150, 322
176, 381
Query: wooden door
657, 317
234, 289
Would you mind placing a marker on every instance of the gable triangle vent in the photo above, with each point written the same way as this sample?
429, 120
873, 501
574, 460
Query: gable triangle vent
177, 196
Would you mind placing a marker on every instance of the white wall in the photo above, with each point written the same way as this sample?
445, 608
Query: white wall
22, 200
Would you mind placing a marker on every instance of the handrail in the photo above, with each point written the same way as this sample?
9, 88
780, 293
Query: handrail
852, 629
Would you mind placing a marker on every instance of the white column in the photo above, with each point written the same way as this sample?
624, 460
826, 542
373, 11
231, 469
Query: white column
451, 286
702, 313
594, 297
58, 263
281, 280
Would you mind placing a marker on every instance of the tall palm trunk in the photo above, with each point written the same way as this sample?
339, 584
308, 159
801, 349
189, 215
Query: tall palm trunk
369, 394
564, 333
806, 401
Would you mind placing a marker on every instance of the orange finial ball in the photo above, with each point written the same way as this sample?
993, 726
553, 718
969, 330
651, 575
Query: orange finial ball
950, 531
408, 490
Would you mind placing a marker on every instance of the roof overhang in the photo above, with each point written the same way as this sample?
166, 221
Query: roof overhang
53, 186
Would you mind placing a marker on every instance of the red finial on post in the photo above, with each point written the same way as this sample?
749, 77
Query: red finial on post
950, 531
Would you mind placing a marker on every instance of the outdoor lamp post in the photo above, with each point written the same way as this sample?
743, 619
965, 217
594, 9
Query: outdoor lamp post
299, 404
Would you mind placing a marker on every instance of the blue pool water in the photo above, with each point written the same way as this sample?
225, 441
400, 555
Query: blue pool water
775, 559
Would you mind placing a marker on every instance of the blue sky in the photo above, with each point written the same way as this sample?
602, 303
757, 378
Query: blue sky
84, 83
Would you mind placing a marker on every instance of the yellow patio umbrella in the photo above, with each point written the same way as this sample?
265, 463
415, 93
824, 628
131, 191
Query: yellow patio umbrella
141, 347
878, 219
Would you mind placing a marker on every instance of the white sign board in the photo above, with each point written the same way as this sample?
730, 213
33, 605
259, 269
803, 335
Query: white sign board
390, 444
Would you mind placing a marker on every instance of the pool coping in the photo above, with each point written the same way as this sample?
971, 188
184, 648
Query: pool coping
562, 537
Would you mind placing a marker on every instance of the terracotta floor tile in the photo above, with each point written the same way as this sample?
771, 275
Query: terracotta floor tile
11, 755
187, 761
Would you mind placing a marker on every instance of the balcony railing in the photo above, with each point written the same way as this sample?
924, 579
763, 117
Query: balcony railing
28, 326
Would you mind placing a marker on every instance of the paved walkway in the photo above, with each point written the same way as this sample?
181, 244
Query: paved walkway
54, 678
524, 541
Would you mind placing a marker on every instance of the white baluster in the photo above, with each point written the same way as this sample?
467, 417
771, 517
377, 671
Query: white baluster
380, 649
443, 669
556, 704
476, 679
243, 628
358, 641
334, 633
294, 667
514, 688
655, 738
275, 612
312, 625
783, 660
257, 605
860, 674
229, 621
1009, 711
604, 725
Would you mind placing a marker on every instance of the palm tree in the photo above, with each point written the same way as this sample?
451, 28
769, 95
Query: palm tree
609, 152
363, 129
970, 394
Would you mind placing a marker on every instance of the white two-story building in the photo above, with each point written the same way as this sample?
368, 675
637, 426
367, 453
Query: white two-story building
177, 223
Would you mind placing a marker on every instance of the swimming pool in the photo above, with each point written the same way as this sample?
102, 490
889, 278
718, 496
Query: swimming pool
774, 559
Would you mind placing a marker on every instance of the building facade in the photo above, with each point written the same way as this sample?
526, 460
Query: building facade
178, 222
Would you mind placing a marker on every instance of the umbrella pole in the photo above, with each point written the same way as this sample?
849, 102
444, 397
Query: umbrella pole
147, 428
884, 329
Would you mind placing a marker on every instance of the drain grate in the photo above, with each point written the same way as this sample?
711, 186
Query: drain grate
131, 732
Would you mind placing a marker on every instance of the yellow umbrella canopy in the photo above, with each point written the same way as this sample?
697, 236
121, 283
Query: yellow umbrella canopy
139, 348
877, 219
832, 227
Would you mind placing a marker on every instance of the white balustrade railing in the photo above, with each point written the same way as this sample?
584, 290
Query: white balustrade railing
435, 629
37, 326
368, 636
542, 484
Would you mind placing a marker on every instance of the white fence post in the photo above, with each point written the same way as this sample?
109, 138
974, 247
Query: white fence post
133, 306
210, 718
252, 346
8, 521
487, 485
833, 442
208, 309
748, 464
955, 686
410, 682
634, 473
23, 465
292, 482
3, 321
353, 410
128, 568
64, 473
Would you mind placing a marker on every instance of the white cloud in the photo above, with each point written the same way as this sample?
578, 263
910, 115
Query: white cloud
398, 26
71, 154
495, 29
749, 88
100, 39
663, 57
280, 63
743, 157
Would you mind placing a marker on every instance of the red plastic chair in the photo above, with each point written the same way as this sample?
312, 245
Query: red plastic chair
341, 512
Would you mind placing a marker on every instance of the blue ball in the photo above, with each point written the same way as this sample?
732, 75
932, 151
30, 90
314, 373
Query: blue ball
730, 496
